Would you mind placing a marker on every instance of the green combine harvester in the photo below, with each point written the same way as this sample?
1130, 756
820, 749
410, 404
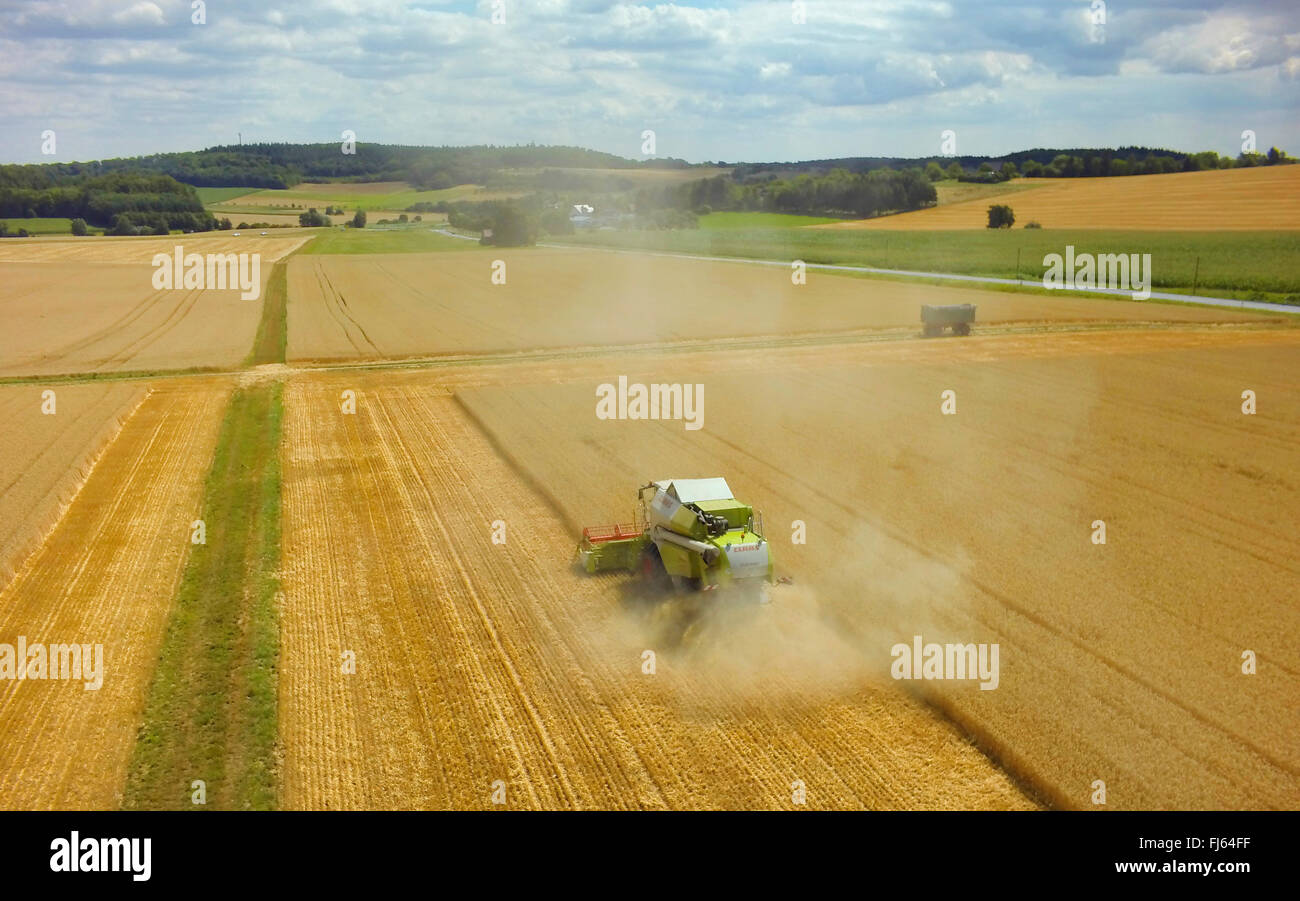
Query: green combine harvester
689, 534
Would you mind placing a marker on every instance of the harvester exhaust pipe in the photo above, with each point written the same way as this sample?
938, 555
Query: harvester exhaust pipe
709, 552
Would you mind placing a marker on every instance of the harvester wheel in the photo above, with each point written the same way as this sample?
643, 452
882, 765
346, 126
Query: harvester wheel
962, 328
653, 572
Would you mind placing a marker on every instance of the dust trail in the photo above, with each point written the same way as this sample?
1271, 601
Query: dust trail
824, 638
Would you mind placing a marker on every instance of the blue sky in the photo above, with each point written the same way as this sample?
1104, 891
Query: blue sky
714, 80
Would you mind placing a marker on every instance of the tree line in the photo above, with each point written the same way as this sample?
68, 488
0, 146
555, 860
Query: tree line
275, 165
124, 202
837, 193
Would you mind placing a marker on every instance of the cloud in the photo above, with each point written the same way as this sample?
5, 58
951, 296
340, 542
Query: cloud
725, 79
1222, 42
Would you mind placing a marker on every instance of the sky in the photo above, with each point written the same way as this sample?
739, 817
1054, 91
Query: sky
714, 80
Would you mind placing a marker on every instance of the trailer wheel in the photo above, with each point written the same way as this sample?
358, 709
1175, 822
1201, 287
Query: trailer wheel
961, 328
931, 330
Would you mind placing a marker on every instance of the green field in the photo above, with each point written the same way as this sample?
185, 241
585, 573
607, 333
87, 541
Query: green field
40, 226
1243, 265
366, 240
760, 220
217, 195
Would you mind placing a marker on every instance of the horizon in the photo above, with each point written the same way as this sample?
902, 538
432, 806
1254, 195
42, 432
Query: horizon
707, 162
729, 80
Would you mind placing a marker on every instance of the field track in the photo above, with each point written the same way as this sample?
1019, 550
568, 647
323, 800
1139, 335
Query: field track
106, 575
478, 662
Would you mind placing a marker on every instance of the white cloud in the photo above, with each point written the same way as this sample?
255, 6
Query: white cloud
140, 14
724, 79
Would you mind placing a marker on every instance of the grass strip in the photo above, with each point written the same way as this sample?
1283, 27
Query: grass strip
211, 711
272, 340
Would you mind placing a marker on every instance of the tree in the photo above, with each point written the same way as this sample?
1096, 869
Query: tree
933, 171
1001, 216
954, 170
511, 227
79, 226
359, 220
1009, 170
313, 219
225, 224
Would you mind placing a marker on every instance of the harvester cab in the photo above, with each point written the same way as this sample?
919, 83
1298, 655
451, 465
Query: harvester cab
691, 532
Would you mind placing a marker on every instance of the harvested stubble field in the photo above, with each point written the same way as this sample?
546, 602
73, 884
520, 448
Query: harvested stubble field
106, 575
69, 310
44, 457
383, 306
478, 662
1119, 662
1225, 199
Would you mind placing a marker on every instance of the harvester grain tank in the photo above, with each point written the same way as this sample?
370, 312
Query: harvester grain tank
690, 532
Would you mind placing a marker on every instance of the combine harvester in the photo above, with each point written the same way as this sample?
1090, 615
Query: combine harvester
692, 535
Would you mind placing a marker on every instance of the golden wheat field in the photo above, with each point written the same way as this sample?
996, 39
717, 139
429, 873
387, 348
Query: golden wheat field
106, 573
1223, 199
141, 251
386, 306
91, 306
50, 443
426, 411
485, 662
1119, 662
